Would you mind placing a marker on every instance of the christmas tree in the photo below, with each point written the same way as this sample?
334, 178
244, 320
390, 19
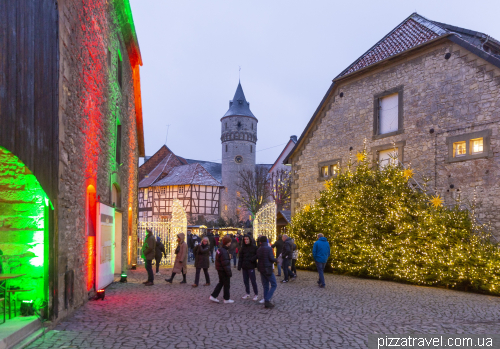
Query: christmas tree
378, 226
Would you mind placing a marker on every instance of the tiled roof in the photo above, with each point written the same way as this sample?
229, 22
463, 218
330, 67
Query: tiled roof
214, 168
414, 31
287, 215
188, 174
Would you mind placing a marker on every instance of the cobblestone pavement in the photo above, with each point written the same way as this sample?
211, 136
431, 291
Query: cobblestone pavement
305, 316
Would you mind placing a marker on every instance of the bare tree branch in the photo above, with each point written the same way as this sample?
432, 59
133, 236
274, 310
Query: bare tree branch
255, 189
281, 188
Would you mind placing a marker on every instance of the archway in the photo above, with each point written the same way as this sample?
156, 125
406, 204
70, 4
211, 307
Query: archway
24, 212
116, 195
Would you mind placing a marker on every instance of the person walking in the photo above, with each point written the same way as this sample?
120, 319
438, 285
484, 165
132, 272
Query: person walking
216, 239
266, 259
211, 240
247, 261
180, 263
223, 266
201, 261
295, 256
148, 253
159, 251
287, 254
278, 244
321, 252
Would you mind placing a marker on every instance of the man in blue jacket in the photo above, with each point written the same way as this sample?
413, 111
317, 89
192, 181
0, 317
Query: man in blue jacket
321, 252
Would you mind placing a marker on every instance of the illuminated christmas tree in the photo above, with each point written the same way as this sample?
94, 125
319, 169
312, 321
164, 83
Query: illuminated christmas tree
380, 227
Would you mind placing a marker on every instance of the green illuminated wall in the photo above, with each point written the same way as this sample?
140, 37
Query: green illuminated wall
23, 228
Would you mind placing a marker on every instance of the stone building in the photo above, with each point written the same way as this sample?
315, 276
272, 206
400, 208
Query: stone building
70, 140
219, 190
427, 89
239, 141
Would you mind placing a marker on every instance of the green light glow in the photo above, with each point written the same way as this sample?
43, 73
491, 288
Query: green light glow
24, 207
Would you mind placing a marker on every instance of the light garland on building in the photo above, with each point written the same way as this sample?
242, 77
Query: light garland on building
265, 221
378, 227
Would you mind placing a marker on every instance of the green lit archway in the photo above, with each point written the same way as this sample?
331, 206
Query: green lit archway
24, 225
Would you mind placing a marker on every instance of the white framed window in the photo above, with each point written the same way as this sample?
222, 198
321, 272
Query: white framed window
386, 157
389, 113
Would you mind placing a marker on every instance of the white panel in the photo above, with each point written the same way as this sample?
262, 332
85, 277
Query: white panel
388, 115
105, 250
386, 156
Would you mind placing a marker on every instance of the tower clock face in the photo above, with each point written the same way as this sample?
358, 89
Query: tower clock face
238, 159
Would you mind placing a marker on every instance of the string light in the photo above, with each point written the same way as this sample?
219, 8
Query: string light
379, 227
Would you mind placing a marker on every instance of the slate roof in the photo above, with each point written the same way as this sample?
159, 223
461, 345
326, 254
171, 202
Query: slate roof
287, 215
413, 31
164, 167
239, 104
188, 174
214, 168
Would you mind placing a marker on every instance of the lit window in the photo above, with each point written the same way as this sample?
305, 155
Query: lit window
388, 113
459, 148
238, 194
386, 157
334, 169
476, 145
225, 207
145, 193
324, 171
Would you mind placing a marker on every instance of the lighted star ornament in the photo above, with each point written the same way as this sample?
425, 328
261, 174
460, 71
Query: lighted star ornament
436, 201
408, 173
360, 156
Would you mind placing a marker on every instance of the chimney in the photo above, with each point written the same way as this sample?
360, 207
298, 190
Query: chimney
294, 139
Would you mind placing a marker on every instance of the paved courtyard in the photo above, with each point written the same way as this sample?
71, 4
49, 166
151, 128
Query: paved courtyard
339, 316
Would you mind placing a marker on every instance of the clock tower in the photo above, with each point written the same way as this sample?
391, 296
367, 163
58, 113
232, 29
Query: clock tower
239, 138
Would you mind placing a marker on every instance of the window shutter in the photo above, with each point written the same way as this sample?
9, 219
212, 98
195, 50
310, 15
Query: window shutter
388, 114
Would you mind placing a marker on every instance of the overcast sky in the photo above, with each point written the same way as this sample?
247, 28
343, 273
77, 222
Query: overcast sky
289, 52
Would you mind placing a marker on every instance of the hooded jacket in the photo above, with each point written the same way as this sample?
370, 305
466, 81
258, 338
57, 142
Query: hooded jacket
248, 255
321, 250
266, 259
160, 249
180, 264
149, 246
223, 261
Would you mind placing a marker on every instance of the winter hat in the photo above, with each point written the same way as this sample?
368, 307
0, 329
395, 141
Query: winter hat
226, 240
158, 239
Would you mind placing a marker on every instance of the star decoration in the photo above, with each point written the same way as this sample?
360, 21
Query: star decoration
436, 201
307, 208
360, 156
408, 173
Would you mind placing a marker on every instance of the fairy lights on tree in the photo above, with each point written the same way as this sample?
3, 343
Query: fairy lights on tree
379, 227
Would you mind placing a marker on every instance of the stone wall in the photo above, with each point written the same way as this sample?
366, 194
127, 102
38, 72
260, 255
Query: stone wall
92, 104
236, 141
454, 96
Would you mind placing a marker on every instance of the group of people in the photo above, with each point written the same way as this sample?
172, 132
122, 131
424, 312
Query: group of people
250, 255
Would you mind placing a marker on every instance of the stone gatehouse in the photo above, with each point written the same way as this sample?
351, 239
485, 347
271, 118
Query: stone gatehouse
429, 92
